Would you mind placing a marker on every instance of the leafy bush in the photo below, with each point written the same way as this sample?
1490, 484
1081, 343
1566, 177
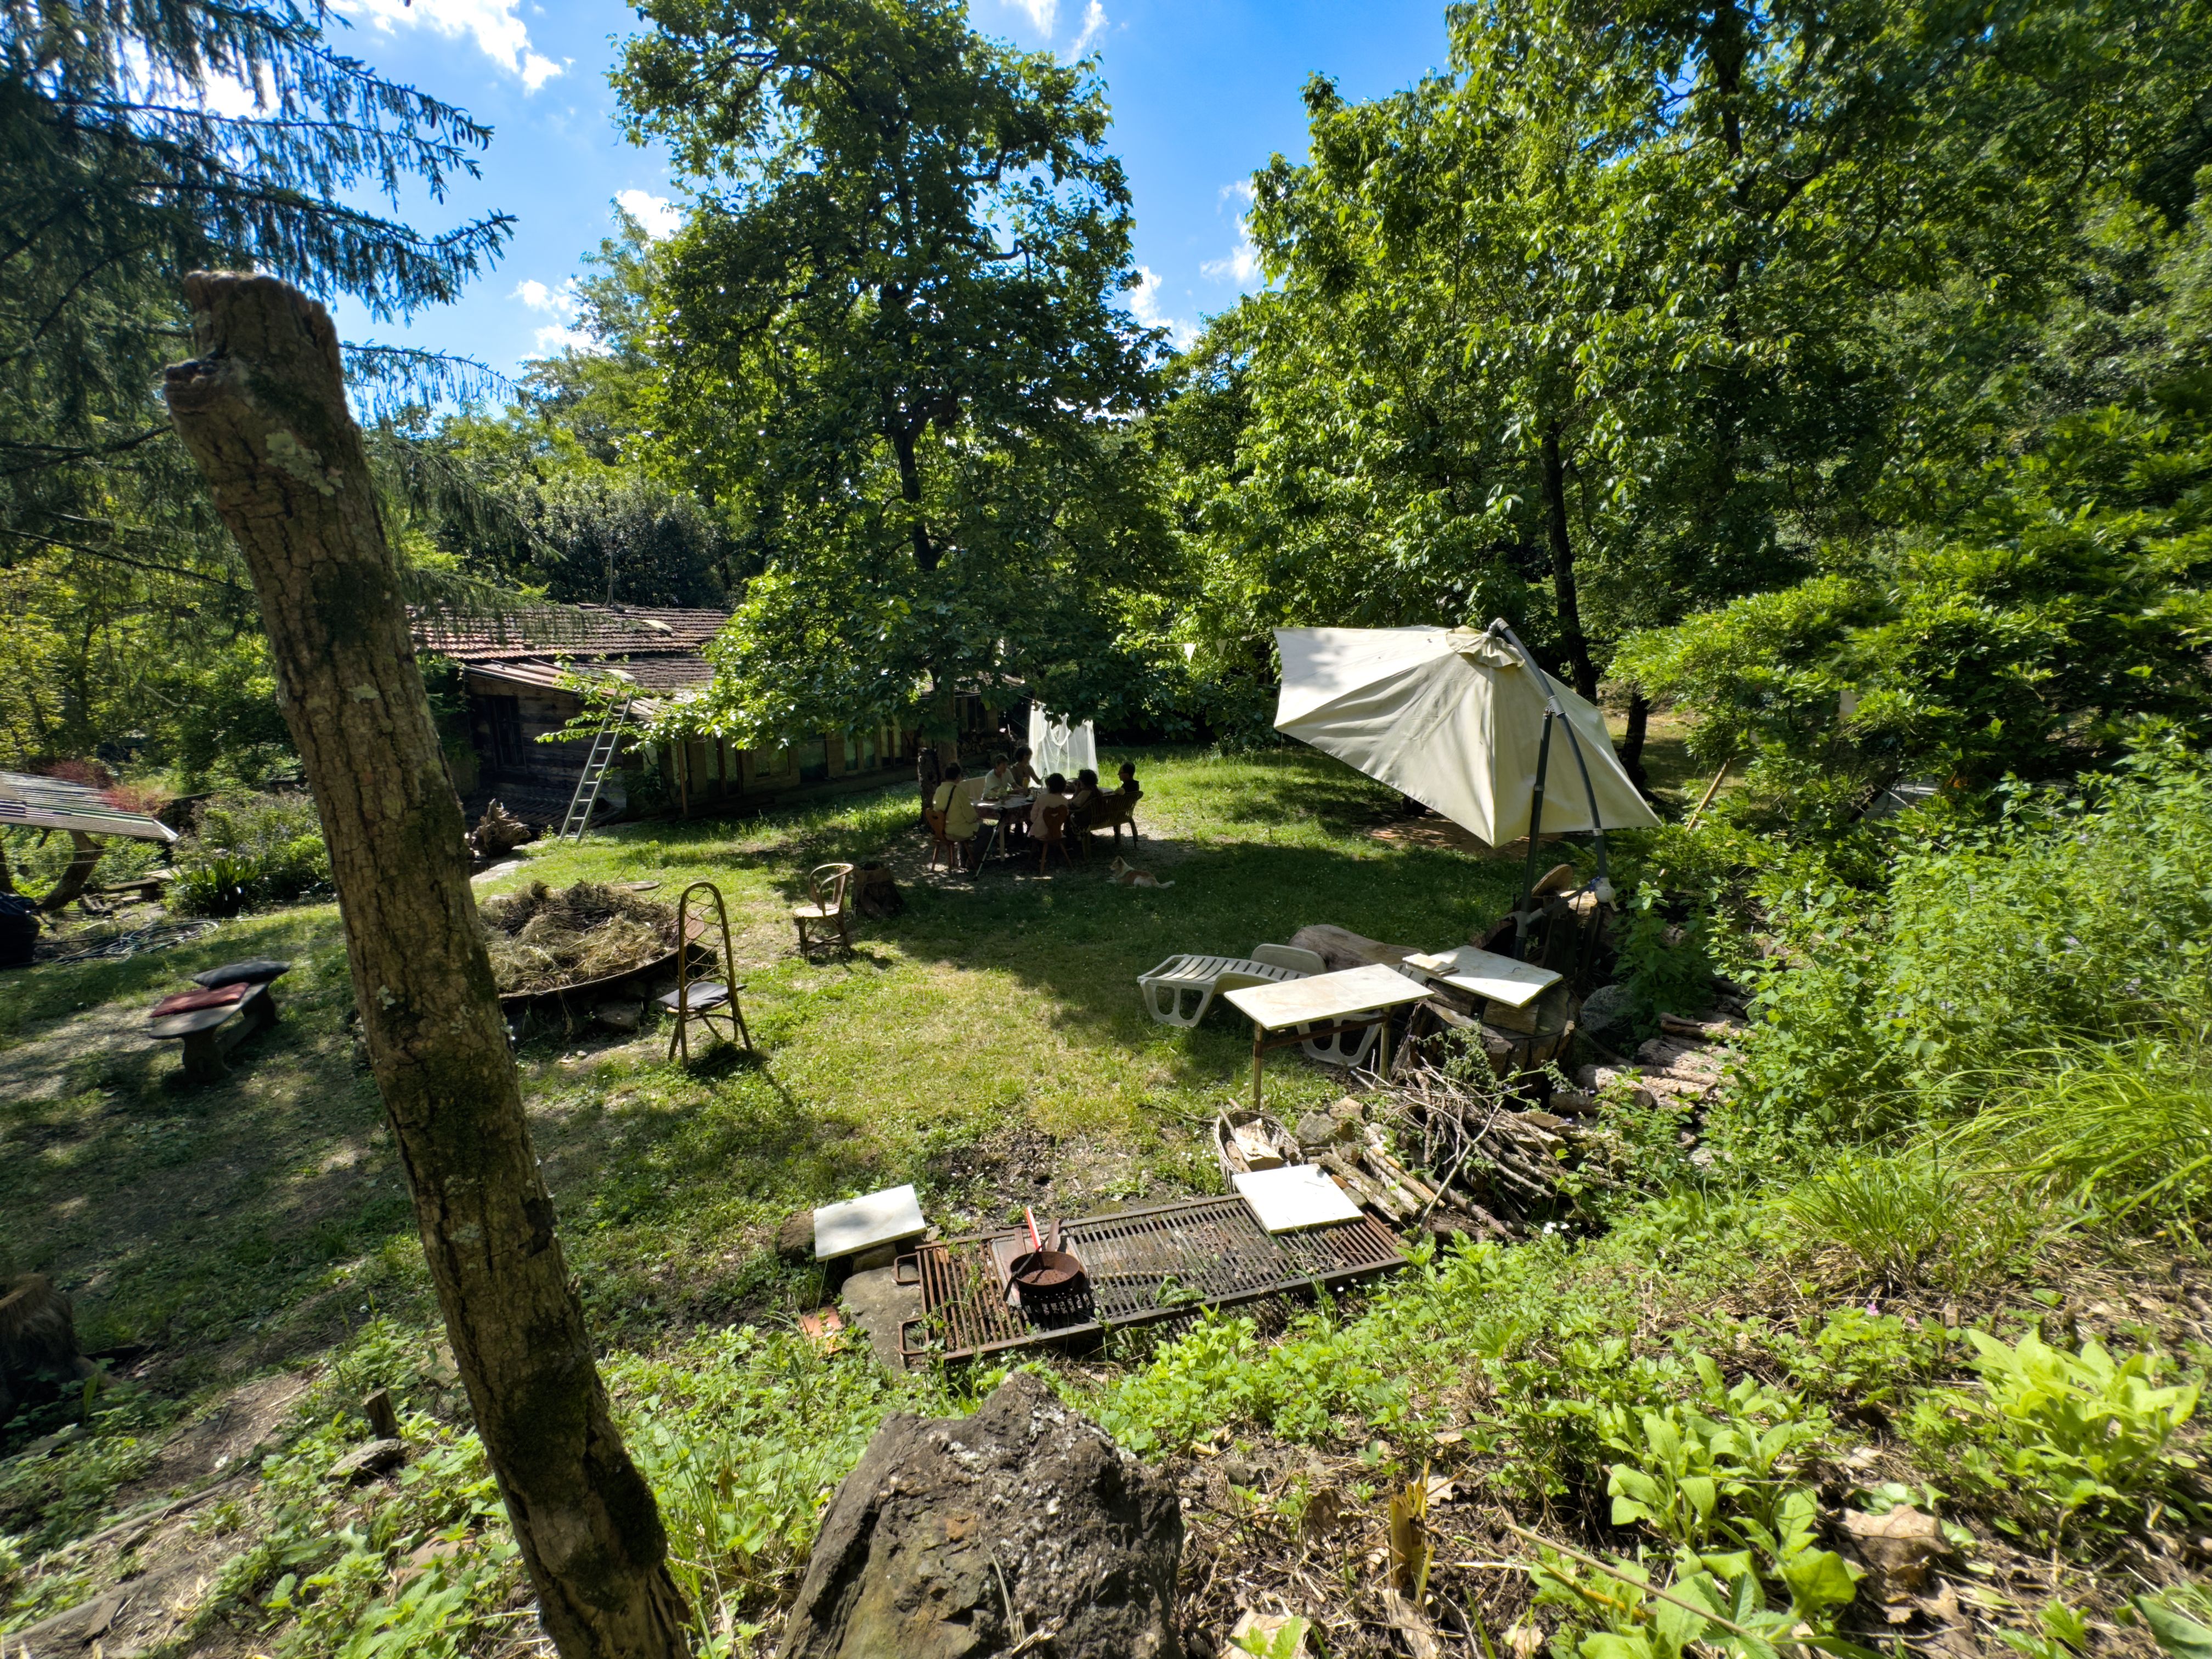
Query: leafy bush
2078, 918
250, 850
2062, 1435
1710, 1478
2020, 641
744, 1435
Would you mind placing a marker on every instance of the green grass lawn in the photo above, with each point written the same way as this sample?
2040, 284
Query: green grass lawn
989, 1045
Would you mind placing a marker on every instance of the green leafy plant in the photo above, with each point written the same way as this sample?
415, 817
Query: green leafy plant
2059, 1633
2070, 1434
1286, 1641
250, 850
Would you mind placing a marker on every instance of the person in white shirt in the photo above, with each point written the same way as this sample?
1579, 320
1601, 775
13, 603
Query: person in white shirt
999, 782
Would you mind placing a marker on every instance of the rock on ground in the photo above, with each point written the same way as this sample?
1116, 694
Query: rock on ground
961, 1536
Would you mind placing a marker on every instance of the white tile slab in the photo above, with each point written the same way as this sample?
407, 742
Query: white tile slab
1487, 974
1296, 1195
889, 1217
1325, 996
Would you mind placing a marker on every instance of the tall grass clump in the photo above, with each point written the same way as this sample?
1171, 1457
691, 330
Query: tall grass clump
1903, 1219
2120, 1134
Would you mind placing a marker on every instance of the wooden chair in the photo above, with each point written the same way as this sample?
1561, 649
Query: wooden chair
703, 1000
1112, 811
1052, 836
826, 888
943, 849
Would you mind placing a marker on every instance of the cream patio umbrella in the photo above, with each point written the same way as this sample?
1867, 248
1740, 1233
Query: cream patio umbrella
1463, 721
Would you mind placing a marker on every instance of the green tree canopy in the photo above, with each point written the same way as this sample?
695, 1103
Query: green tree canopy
140, 139
891, 344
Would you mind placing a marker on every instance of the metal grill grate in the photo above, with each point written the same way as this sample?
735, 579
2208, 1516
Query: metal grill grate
1143, 1266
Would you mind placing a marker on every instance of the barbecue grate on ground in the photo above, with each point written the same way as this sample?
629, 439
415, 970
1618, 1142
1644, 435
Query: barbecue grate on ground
1166, 1262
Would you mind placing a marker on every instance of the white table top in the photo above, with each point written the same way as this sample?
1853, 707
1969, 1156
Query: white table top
1293, 1196
1325, 996
1486, 974
889, 1217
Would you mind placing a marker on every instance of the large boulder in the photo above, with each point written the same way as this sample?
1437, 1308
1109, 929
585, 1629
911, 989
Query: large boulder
960, 1536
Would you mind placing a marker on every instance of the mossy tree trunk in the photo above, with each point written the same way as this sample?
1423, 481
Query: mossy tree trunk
262, 409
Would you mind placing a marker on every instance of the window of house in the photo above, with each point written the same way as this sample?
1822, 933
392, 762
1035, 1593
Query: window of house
814, 760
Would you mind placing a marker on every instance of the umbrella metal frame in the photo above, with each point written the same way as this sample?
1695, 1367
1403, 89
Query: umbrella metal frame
1521, 914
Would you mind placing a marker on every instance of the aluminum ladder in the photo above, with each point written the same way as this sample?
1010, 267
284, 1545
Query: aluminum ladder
605, 742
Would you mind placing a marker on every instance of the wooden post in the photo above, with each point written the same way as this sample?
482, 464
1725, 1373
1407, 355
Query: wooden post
262, 411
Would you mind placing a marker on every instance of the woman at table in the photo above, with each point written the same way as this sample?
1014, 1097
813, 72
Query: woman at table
961, 822
999, 782
1084, 797
1054, 793
1025, 775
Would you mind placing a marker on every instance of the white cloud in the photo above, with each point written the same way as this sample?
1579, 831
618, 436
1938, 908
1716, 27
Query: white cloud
562, 305
557, 301
1240, 188
1040, 12
550, 340
1144, 300
1094, 25
1240, 265
660, 216
499, 33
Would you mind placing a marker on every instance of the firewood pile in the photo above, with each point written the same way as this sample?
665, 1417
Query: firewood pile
1437, 1151
1681, 1067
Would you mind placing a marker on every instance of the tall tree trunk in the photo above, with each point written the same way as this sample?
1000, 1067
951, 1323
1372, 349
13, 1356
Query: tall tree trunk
76, 876
909, 466
1632, 742
1572, 645
263, 412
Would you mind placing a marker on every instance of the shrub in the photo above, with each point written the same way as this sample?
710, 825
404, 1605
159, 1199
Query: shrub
249, 850
2078, 918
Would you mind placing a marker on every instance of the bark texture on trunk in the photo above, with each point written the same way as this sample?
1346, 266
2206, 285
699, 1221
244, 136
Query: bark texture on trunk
1631, 742
1572, 645
262, 409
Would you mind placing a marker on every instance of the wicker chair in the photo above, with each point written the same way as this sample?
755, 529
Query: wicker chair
827, 885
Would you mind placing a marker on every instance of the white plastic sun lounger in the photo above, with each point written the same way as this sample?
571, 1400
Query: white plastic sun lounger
1168, 986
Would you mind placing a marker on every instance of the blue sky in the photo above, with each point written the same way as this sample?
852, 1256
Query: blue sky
1202, 92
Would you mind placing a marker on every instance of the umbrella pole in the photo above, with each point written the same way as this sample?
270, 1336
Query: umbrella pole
1551, 708
1535, 828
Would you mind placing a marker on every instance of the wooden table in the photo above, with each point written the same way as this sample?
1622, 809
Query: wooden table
1322, 1006
208, 1034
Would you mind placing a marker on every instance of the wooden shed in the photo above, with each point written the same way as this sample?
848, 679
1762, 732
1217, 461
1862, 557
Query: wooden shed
511, 685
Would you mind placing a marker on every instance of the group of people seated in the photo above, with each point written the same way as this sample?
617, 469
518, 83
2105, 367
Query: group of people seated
1088, 805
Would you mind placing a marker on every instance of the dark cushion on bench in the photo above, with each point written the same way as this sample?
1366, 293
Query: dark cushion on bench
259, 971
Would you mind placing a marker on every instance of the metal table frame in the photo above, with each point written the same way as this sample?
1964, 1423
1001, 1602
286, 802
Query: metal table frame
1273, 1009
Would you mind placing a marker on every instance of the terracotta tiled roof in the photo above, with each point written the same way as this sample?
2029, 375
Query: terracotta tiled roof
580, 631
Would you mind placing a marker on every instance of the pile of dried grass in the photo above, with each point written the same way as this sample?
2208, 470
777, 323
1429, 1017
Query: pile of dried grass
543, 939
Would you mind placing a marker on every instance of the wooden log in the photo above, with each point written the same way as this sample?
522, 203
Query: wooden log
1341, 948
1362, 1188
